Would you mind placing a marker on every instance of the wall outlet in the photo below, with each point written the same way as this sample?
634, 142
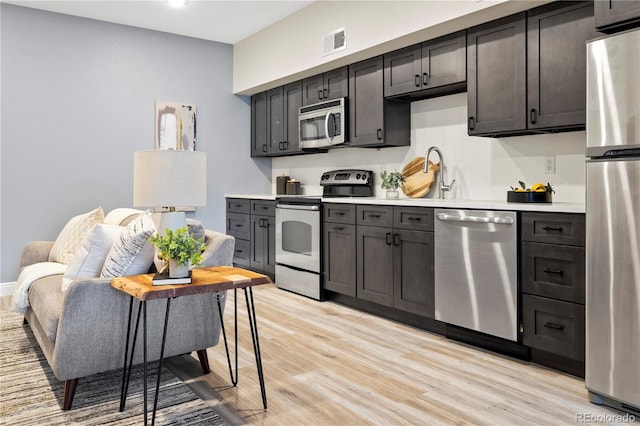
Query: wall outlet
550, 164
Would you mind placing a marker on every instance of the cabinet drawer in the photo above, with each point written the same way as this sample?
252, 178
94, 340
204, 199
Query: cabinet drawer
553, 271
415, 218
554, 228
238, 205
374, 215
264, 208
238, 225
339, 213
242, 252
553, 326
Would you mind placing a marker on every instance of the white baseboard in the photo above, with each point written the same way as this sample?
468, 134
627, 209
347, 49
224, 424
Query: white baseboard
6, 289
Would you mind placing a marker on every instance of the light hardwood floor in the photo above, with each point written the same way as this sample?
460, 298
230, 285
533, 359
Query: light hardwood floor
326, 364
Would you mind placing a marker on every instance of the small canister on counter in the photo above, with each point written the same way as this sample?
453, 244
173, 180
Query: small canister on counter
281, 184
294, 187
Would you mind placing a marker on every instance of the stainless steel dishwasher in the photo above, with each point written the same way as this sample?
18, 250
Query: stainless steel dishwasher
476, 270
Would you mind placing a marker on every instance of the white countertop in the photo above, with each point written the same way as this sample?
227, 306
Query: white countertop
558, 207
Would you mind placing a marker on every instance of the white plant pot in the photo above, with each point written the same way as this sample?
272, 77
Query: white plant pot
178, 270
392, 195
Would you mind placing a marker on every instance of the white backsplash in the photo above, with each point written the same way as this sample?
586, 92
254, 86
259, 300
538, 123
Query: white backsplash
484, 168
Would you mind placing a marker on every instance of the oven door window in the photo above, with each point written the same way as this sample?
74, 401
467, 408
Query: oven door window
297, 238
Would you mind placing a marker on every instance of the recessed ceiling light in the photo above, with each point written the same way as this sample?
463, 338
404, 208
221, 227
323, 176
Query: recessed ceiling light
177, 3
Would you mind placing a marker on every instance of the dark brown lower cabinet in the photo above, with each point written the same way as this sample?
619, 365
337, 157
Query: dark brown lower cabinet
375, 264
552, 278
414, 287
252, 223
395, 265
339, 246
263, 243
553, 326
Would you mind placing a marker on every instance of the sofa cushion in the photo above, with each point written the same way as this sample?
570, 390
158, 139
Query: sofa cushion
90, 257
121, 216
70, 238
46, 299
131, 253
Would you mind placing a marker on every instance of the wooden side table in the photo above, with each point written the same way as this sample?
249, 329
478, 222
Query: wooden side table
203, 280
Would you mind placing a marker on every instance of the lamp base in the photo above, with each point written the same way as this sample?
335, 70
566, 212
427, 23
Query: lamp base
171, 220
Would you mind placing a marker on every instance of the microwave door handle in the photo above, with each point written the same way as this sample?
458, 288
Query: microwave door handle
326, 126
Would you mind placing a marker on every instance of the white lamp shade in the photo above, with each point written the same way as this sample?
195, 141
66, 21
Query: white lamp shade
169, 178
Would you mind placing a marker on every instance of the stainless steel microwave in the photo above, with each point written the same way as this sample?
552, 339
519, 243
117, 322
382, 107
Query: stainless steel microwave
323, 124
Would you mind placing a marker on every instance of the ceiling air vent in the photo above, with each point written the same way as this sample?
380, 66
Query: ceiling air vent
335, 42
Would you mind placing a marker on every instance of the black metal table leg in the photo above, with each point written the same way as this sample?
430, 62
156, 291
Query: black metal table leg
234, 380
126, 352
164, 339
253, 324
144, 358
126, 373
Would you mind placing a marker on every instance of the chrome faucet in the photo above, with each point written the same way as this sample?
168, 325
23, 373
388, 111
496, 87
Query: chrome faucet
443, 185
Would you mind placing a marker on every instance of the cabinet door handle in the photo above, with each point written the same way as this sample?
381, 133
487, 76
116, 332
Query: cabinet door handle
554, 326
264, 147
264, 207
533, 116
425, 79
238, 205
379, 134
554, 271
325, 94
472, 123
417, 80
388, 238
552, 228
396, 239
319, 94
238, 251
339, 213
238, 225
374, 216
285, 145
338, 228
414, 218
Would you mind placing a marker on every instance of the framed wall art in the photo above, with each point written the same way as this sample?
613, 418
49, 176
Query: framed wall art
175, 124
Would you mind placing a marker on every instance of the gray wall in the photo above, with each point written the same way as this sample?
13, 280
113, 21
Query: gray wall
78, 99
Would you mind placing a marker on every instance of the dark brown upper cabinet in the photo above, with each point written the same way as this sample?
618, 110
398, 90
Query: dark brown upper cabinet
616, 15
527, 72
283, 105
326, 86
259, 125
496, 76
556, 63
374, 121
433, 68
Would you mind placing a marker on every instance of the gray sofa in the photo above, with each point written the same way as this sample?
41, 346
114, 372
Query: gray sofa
82, 331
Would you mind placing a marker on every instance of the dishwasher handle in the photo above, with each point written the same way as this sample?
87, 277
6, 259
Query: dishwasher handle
476, 219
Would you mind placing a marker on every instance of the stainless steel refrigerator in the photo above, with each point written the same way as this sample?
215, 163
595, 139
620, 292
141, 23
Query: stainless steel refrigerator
613, 221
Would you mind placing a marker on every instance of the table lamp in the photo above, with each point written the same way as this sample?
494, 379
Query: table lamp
169, 179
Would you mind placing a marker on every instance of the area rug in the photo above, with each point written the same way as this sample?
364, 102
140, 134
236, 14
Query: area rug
30, 393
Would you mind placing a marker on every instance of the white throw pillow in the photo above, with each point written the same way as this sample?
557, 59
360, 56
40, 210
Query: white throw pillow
131, 253
71, 236
121, 216
90, 257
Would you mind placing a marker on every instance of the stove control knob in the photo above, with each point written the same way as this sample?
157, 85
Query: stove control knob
358, 176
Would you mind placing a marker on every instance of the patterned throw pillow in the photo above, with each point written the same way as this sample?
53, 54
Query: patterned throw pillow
90, 257
131, 253
71, 236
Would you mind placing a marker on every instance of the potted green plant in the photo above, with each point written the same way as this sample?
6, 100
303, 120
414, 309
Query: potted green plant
180, 250
391, 181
